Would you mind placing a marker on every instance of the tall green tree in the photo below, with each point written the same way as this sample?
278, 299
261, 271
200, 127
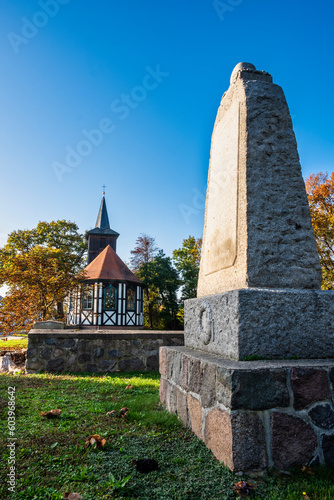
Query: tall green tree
187, 260
162, 283
40, 266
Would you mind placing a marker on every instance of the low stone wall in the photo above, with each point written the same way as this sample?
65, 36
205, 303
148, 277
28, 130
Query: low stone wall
253, 414
12, 361
96, 351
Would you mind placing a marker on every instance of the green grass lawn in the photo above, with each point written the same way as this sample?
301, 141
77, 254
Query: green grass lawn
13, 344
51, 456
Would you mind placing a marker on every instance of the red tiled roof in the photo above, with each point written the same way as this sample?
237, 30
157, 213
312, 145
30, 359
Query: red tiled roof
108, 266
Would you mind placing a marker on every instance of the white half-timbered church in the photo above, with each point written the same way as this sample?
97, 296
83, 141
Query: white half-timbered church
111, 296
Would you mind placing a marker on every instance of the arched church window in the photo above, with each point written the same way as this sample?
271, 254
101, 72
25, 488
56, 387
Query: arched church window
87, 297
109, 298
131, 299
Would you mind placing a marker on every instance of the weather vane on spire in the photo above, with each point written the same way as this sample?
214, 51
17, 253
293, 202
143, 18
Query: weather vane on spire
103, 189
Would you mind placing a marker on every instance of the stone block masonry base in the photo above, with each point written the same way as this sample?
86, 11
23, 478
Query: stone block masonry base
94, 351
253, 414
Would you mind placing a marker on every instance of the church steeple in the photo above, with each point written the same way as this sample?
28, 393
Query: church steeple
110, 295
101, 236
102, 221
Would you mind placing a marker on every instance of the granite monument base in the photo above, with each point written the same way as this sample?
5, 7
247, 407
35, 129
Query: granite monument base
269, 324
253, 414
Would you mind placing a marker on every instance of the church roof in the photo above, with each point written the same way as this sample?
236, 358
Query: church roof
102, 225
108, 266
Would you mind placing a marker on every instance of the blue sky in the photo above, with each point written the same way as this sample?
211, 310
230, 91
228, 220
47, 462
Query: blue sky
150, 75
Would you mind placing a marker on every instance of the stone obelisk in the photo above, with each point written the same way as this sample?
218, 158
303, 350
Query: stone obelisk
259, 280
257, 231
258, 298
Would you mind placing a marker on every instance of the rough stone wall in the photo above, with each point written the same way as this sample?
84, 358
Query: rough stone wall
253, 415
63, 351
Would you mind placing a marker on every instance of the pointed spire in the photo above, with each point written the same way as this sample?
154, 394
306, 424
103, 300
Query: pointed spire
102, 221
101, 229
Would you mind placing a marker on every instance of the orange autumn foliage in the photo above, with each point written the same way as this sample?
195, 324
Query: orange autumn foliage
40, 267
36, 282
320, 193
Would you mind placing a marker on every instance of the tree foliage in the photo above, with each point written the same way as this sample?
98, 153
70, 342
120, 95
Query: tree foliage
60, 235
162, 282
187, 260
144, 251
320, 193
40, 267
163, 277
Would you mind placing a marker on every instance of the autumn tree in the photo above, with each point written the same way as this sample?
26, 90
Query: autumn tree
18, 311
40, 267
143, 252
320, 193
187, 260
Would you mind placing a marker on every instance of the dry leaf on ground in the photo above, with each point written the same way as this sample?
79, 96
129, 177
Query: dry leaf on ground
123, 412
51, 413
95, 441
307, 470
72, 496
243, 489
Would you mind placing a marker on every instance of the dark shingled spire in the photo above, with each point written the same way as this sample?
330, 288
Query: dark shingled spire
101, 236
102, 220
102, 225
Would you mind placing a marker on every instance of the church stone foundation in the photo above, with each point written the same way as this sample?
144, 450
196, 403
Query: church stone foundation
253, 414
75, 351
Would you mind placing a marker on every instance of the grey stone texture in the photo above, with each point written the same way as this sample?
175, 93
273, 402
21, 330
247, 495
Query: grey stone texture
293, 441
264, 323
259, 389
245, 411
328, 449
134, 364
49, 325
78, 351
323, 416
54, 365
257, 230
309, 385
12, 361
249, 446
